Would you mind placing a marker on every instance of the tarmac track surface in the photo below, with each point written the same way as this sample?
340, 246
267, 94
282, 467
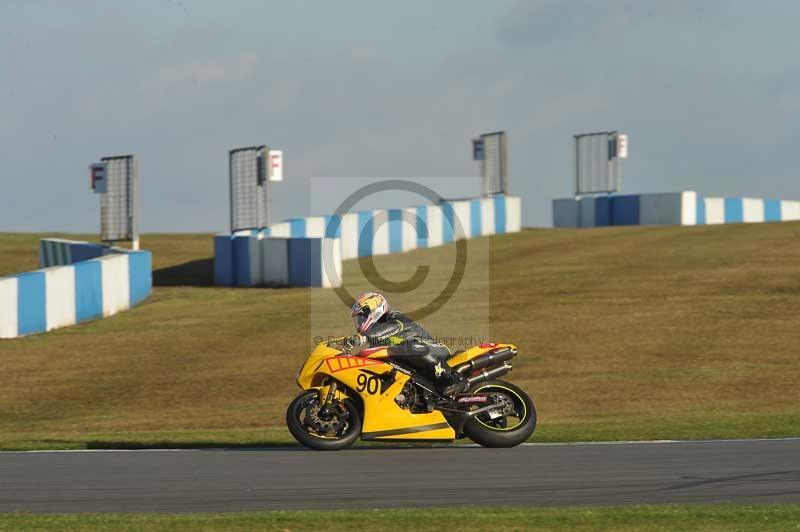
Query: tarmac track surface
742, 471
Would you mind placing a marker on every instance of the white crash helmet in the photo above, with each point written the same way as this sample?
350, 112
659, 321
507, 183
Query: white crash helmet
367, 309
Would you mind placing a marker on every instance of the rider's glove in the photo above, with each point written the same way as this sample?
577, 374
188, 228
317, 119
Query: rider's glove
355, 341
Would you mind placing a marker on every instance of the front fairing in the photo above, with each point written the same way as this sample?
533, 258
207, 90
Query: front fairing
313, 362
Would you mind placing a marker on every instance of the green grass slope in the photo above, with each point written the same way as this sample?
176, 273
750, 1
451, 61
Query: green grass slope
624, 333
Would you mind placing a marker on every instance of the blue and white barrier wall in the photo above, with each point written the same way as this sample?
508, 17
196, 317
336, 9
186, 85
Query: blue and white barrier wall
59, 252
746, 210
678, 208
77, 290
259, 259
243, 259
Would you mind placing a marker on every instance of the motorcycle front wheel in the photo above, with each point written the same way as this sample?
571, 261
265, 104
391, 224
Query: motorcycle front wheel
510, 424
331, 429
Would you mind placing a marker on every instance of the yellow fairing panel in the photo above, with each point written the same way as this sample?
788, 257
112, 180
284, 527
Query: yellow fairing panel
475, 351
383, 418
315, 362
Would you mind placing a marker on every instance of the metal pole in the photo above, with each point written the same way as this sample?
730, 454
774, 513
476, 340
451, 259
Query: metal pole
612, 137
230, 186
577, 156
484, 170
619, 174
504, 163
591, 162
268, 194
607, 183
266, 165
133, 173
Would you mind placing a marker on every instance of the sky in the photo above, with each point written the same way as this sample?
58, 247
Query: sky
708, 92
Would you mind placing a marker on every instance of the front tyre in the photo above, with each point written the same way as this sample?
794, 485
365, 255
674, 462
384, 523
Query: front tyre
511, 423
331, 429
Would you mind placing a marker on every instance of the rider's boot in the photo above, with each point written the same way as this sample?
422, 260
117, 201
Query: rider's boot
449, 382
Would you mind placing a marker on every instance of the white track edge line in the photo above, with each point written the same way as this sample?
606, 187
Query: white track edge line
389, 445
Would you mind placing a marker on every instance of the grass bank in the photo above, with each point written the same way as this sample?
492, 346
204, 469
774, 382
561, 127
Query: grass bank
624, 333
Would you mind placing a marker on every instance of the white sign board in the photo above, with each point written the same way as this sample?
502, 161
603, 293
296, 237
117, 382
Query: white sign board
98, 177
622, 146
276, 165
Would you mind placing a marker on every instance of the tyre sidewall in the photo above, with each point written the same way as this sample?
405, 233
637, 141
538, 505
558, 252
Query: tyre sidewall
483, 435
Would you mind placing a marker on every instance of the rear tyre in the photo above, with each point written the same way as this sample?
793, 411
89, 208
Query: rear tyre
514, 425
320, 430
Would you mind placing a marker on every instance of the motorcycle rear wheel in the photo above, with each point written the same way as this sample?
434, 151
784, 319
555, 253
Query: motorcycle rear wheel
304, 434
489, 432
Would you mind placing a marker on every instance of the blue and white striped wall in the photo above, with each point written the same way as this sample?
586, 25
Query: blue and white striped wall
678, 208
59, 252
260, 259
241, 259
75, 289
711, 211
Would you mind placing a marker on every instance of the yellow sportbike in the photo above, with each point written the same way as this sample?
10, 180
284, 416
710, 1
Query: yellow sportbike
366, 395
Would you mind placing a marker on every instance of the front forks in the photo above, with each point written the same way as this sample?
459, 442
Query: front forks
326, 404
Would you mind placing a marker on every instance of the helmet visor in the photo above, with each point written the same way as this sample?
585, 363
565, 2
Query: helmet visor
363, 320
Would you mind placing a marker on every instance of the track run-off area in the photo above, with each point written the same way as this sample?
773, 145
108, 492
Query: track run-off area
221, 480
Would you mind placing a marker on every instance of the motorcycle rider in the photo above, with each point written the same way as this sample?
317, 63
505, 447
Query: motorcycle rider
408, 343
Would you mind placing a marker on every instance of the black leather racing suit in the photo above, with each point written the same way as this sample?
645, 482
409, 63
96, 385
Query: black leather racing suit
411, 346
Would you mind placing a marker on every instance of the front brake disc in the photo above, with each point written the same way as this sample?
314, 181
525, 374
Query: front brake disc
331, 424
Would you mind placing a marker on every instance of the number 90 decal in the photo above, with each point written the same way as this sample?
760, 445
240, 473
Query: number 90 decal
368, 383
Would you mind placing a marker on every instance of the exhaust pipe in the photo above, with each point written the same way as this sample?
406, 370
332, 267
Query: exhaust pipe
488, 374
489, 359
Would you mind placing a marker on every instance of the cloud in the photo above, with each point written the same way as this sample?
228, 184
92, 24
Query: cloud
693, 95
538, 22
223, 70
